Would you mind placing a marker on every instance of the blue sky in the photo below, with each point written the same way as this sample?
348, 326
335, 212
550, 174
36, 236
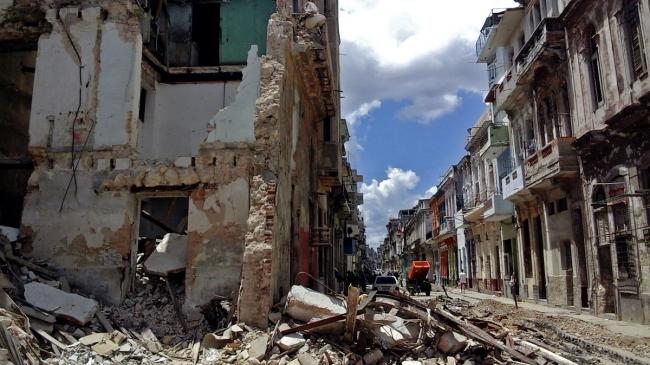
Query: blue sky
411, 89
428, 149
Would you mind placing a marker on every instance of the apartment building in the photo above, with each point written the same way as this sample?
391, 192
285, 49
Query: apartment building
568, 85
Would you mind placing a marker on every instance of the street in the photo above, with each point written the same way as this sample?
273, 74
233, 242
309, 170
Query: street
595, 339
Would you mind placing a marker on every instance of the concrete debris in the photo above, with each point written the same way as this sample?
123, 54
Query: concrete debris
65, 305
305, 304
10, 233
169, 257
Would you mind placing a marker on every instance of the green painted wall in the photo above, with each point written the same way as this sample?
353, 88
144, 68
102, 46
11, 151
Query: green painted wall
243, 23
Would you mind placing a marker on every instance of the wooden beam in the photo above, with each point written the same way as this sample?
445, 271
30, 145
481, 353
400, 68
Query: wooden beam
351, 316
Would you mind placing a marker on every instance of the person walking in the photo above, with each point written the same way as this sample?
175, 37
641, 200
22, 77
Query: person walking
462, 279
514, 288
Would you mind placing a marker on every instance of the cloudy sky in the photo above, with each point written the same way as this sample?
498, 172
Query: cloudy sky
411, 89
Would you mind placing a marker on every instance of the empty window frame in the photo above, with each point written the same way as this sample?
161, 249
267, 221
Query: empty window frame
595, 69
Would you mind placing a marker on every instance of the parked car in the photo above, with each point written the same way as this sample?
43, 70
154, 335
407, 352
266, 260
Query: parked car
384, 284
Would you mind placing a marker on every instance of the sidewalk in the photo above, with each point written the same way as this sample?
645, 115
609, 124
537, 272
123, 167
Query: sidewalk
624, 328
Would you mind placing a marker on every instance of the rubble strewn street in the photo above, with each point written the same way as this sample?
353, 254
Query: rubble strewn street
182, 182
308, 327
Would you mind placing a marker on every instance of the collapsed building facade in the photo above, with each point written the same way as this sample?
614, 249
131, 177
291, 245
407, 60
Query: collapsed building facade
220, 121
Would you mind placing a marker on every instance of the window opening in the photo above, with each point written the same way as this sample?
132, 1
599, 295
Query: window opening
635, 38
594, 62
143, 104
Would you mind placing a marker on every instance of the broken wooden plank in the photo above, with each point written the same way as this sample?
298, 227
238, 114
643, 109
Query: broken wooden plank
31, 265
104, 321
196, 348
547, 354
35, 313
478, 334
146, 215
51, 339
179, 311
9, 341
351, 315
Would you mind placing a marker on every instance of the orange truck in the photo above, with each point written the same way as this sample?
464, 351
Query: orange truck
416, 278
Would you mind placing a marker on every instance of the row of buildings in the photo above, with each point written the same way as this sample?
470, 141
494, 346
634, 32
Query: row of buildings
219, 120
555, 186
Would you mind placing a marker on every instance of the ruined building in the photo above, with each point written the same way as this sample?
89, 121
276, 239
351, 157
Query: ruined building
217, 120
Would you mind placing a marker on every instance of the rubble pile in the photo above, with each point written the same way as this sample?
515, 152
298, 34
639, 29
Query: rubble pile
44, 320
314, 328
149, 306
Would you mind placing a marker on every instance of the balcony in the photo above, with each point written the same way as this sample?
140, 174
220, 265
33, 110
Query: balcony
556, 160
497, 208
315, 63
483, 39
547, 42
475, 206
498, 140
329, 165
497, 30
513, 183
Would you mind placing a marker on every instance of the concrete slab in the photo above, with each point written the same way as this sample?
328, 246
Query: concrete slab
72, 307
293, 341
258, 347
169, 257
305, 304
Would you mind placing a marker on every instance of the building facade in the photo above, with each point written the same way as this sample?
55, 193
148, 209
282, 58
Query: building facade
568, 85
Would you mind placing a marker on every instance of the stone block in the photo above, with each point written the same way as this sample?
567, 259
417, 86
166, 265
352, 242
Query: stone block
122, 163
183, 162
103, 164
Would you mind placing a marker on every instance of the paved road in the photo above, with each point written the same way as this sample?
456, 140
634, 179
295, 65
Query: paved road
625, 328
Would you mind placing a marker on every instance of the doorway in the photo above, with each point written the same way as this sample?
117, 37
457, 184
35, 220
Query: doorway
608, 296
541, 265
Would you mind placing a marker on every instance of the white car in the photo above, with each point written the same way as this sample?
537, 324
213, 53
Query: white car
384, 284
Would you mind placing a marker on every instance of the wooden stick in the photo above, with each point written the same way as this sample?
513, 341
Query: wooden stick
351, 318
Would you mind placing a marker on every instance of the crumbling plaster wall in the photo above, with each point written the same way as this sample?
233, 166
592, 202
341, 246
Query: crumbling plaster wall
80, 81
93, 249
216, 223
101, 82
100, 206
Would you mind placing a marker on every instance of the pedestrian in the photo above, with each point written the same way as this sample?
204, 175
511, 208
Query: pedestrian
462, 279
514, 288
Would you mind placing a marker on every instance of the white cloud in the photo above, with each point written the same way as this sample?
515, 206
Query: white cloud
430, 192
383, 199
362, 111
353, 146
420, 52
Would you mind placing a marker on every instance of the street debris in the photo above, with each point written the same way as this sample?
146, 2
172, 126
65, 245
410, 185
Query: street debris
44, 321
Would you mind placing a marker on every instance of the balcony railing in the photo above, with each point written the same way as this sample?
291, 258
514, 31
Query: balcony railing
549, 34
498, 139
556, 159
471, 201
483, 38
